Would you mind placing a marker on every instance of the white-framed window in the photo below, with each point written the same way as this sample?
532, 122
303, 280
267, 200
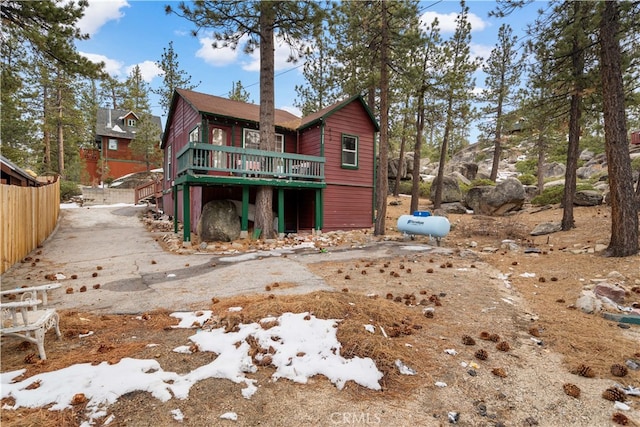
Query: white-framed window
349, 151
131, 123
251, 139
194, 135
113, 144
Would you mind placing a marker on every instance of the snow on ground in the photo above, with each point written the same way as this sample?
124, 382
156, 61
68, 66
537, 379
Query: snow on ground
304, 346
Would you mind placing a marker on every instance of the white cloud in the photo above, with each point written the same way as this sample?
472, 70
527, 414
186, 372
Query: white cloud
282, 53
217, 57
480, 50
99, 12
447, 22
113, 67
148, 69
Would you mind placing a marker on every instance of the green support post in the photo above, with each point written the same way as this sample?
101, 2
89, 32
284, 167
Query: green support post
186, 214
244, 221
280, 212
174, 192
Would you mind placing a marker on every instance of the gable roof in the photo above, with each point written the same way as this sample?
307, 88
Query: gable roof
228, 108
110, 122
322, 115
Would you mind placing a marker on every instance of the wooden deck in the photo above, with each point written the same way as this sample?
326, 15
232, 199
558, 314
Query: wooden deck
210, 163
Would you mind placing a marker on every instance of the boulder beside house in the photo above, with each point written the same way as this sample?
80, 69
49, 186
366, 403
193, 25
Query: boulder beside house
322, 170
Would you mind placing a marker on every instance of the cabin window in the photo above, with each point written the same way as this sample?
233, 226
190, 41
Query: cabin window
349, 151
194, 135
168, 171
113, 144
131, 123
251, 139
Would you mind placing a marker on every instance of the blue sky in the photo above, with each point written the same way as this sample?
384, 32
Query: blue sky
126, 33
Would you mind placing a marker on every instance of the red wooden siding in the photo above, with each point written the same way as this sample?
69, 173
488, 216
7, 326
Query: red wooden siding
183, 120
347, 208
348, 198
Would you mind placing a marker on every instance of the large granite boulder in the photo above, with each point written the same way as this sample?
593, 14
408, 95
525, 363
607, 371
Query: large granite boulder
588, 198
450, 190
506, 196
219, 222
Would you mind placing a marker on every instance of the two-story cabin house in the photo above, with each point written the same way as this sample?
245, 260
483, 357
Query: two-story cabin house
112, 156
322, 170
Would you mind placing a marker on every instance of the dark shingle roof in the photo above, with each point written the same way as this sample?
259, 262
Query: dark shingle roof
114, 125
224, 107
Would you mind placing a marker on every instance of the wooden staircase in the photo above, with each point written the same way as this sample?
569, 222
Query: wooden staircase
150, 191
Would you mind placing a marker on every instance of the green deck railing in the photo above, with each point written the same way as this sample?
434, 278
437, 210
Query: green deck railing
199, 159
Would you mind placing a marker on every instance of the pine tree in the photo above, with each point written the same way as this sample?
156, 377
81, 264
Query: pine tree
624, 213
137, 92
503, 77
238, 92
456, 89
173, 77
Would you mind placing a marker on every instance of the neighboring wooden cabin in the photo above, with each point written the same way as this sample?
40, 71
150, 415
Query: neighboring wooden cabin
112, 156
14, 175
322, 170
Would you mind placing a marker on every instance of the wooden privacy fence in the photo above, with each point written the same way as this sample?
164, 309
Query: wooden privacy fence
28, 216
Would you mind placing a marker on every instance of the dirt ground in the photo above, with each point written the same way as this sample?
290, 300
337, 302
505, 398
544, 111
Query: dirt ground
488, 279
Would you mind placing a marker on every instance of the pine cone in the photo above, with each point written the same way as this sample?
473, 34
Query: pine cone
484, 335
78, 399
571, 390
503, 346
621, 419
614, 394
584, 371
30, 358
482, 354
534, 331
467, 340
494, 337
619, 370
499, 372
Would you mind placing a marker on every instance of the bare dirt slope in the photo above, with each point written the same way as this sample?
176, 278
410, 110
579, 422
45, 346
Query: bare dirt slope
473, 286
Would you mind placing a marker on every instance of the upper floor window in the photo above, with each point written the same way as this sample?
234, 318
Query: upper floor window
251, 139
113, 144
194, 135
349, 151
131, 123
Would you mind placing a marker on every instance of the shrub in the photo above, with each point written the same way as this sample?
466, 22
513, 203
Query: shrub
527, 179
69, 189
528, 166
552, 195
405, 188
635, 164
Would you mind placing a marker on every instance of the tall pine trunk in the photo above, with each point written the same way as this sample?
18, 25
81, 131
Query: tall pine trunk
383, 181
415, 187
624, 216
264, 194
575, 115
60, 133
